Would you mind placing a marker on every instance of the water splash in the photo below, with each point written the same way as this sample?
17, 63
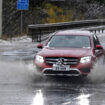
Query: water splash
17, 72
97, 74
83, 99
38, 99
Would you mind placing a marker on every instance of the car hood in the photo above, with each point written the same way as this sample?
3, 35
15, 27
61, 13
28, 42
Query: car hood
65, 52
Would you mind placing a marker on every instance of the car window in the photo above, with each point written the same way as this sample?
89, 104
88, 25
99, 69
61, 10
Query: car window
70, 41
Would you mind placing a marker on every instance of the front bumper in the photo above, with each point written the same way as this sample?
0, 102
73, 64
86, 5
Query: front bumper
51, 72
77, 70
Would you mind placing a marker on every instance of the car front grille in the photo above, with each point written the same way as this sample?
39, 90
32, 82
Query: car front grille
66, 60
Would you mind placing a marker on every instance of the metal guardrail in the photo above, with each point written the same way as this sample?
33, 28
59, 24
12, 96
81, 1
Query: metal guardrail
37, 31
96, 29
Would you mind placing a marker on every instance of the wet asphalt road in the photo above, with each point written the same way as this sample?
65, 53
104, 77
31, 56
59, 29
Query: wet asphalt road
21, 85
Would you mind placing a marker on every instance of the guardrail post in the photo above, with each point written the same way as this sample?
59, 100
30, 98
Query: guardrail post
95, 31
39, 36
102, 30
91, 30
98, 30
32, 35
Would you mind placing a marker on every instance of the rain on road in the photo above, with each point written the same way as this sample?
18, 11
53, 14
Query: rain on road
21, 85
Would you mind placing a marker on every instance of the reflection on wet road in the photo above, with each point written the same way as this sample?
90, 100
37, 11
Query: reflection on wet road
20, 84
52, 93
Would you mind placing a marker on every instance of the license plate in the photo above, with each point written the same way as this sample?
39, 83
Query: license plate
61, 67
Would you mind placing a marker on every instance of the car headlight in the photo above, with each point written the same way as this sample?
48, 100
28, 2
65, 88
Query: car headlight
85, 59
39, 58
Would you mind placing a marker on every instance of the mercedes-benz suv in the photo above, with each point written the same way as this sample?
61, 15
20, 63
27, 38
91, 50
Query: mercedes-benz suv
68, 53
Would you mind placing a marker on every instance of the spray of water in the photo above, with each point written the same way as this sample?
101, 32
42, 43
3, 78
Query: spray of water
20, 72
17, 72
97, 74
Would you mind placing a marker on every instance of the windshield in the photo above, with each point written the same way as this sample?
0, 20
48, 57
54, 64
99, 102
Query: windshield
69, 41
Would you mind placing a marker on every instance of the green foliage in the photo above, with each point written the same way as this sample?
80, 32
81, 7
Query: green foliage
56, 14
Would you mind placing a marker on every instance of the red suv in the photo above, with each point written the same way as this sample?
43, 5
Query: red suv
68, 53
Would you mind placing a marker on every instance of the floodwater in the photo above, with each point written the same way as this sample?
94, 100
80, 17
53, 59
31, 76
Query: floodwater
20, 84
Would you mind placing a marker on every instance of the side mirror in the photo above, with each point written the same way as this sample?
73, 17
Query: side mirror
40, 46
99, 47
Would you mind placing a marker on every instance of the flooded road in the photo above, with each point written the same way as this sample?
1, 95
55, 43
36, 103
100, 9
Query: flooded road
20, 84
